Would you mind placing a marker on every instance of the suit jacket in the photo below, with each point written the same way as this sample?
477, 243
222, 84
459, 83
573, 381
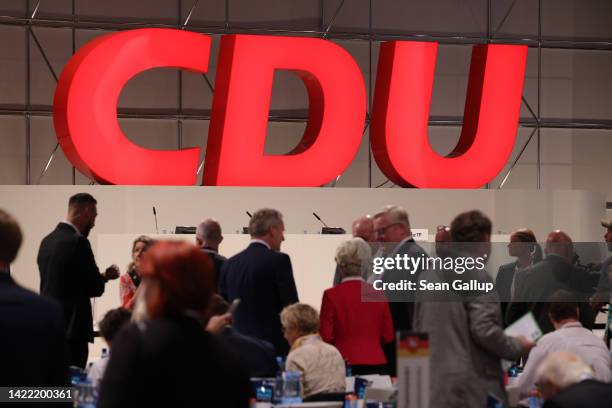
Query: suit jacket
263, 281
535, 285
32, 351
467, 343
69, 274
172, 362
217, 261
503, 284
256, 356
358, 339
585, 394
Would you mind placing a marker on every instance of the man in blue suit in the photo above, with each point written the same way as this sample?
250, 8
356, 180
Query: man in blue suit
262, 278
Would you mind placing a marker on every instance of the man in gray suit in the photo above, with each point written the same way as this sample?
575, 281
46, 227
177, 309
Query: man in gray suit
466, 338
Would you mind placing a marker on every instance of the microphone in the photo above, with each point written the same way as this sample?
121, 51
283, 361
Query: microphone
155, 216
245, 230
326, 229
320, 220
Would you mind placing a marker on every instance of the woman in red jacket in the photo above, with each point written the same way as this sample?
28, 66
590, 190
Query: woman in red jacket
357, 328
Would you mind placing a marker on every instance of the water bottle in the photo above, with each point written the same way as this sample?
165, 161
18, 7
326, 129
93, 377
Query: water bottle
278, 383
350, 401
534, 400
349, 368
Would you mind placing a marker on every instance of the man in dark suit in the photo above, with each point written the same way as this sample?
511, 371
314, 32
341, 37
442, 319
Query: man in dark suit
69, 274
208, 238
392, 230
262, 278
31, 326
536, 284
566, 381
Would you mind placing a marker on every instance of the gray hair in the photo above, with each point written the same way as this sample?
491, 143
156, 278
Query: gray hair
209, 230
396, 214
264, 219
353, 257
563, 369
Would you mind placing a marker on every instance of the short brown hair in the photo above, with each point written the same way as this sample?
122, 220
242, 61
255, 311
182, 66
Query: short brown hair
81, 199
10, 237
470, 226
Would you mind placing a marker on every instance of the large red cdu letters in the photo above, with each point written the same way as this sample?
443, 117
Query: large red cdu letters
85, 106
243, 87
401, 112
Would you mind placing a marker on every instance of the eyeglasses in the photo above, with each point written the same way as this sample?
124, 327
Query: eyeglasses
383, 230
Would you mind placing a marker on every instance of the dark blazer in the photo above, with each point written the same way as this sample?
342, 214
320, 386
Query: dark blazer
263, 281
217, 261
69, 274
257, 357
401, 303
172, 363
358, 340
503, 284
32, 351
585, 394
537, 283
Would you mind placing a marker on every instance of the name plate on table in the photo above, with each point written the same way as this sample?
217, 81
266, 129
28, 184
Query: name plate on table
413, 370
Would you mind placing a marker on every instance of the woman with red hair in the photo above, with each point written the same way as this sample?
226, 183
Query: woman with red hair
168, 359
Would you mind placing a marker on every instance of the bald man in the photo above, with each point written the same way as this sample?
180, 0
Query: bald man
362, 227
536, 284
208, 237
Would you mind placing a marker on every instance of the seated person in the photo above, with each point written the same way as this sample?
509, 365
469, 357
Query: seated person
258, 356
358, 340
321, 364
566, 381
113, 320
569, 335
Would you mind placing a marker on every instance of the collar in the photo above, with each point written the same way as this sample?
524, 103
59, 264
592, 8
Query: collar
300, 341
570, 324
71, 225
259, 241
209, 250
351, 278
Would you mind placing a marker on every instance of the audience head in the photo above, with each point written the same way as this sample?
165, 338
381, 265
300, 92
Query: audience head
562, 308
607, 224
267, 224
10, 239
82, 212
299, 320
473, 230
177, 277
209, 234
560, 244
112, 321
363, 227
443, 241
523, 244
218, 306
391, 224
139, 247
353, 257
560, 370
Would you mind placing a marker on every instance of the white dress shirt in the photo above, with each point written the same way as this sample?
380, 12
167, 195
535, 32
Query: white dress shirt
570, 337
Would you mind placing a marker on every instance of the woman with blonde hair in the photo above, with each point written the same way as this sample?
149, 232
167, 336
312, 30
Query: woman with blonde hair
129, 282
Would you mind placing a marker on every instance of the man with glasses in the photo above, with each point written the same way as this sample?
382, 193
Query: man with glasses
392, 230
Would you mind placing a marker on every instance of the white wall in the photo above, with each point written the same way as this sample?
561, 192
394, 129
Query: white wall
128, 210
